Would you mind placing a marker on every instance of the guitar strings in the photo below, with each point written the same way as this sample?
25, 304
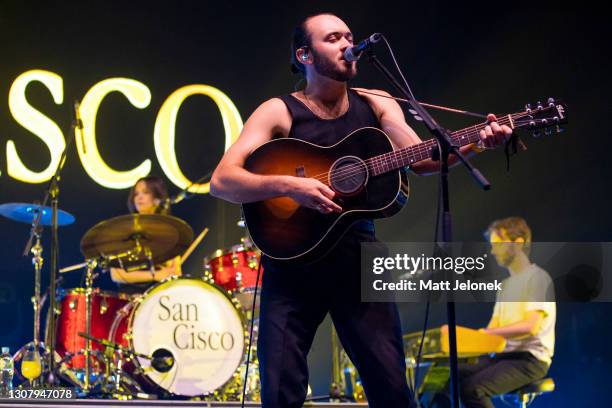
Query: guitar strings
420, 149
379, 161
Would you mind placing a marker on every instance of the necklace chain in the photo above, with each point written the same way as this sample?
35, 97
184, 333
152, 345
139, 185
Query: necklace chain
320, 112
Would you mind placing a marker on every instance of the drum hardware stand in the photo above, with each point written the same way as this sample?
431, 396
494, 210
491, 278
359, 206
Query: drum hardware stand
37, 261
88, 352
37, 301
132, 255
91, 264
119, 384
103, 261
68, 375
52, 193
117, 380
338, 387
118, 373
115, 376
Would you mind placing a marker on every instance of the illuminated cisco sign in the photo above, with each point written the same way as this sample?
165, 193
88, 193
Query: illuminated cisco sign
139, 95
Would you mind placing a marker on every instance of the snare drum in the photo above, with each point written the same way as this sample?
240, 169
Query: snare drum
196, 323
72, 320
235, 269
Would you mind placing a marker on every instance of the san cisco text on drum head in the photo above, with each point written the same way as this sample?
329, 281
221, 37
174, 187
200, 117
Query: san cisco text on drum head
186, 314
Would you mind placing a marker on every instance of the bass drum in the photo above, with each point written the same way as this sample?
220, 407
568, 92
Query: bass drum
195, 323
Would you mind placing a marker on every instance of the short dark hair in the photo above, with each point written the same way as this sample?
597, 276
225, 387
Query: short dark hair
301, 38
157, 186
513, 228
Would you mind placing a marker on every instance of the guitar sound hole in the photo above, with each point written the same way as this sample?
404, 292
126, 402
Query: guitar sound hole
348, 175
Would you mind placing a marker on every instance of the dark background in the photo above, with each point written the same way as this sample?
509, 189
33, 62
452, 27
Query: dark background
484, 58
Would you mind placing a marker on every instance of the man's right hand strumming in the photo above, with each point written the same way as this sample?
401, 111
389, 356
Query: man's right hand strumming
312, 193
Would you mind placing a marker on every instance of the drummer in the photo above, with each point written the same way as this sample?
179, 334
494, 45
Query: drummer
147, 196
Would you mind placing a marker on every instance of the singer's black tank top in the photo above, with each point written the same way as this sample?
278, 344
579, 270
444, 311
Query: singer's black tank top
326, 132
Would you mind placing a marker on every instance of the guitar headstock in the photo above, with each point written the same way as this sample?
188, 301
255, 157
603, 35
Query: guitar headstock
549, 117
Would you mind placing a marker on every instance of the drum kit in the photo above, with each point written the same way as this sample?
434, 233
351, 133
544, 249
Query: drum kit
183, 337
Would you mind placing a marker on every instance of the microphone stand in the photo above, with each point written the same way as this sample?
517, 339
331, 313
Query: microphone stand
445, 148
52, 193
184, 193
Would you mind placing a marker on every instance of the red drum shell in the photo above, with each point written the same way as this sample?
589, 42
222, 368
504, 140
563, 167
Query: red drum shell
72, 320
235, 269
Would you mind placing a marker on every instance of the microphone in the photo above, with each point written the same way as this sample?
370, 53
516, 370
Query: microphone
78, 123
354, 53
162, 360
176, 199
184, 193
179, 197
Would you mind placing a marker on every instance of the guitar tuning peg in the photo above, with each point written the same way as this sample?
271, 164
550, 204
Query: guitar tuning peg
528, 108
559, 129
548, 131
540, 107
536, 133
551, 102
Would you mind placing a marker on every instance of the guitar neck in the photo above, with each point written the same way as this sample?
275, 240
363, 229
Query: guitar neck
408, 156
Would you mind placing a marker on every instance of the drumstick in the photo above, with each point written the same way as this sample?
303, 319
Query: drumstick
193, 245
73, 267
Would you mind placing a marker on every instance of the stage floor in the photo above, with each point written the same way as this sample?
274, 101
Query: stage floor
149, 404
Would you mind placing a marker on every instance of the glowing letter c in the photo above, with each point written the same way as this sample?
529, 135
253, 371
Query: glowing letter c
139, 95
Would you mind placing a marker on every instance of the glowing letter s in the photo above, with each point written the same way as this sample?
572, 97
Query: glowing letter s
37, 123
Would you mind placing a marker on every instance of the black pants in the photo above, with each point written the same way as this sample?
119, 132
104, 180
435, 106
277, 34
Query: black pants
497, 375
296, 299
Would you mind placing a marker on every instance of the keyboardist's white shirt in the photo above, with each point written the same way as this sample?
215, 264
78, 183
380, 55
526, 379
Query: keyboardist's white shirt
524, 292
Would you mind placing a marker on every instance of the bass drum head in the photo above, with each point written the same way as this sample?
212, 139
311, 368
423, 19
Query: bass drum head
201, 327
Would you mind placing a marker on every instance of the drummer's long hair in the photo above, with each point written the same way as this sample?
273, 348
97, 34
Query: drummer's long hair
156, 186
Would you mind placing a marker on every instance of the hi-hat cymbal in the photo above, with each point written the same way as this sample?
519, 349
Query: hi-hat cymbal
163, 235
27, 213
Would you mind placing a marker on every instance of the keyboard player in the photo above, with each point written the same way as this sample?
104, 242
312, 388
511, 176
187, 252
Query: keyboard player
527, 325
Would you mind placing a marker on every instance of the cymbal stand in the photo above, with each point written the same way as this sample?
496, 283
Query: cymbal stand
91, 265
37, 261
36, 345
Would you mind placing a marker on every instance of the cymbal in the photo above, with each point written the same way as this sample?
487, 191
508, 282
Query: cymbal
27, 213
129, 237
